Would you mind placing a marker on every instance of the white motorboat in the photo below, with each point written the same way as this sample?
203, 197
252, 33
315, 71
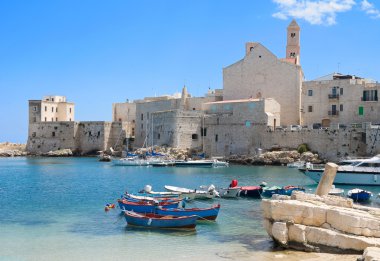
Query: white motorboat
218, 163
336, 191
229, 192
130, 161
353, 172
296, 164
210, 193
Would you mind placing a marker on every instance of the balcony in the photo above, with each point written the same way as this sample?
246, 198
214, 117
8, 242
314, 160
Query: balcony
334, 96
333, 113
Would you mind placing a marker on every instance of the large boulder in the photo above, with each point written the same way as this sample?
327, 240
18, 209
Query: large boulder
326, 222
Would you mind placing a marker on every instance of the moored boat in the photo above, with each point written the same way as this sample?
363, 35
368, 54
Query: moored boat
336, 191
195, 163
201, 213
359, 195
288, 190
182, 195
229, 192
130, 161
210, 193
251, 191
353, 172
269, 191
151, 220
146, 206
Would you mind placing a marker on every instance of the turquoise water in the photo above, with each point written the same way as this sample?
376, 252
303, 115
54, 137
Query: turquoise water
53, 209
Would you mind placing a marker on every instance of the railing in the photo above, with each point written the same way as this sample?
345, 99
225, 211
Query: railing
334, 113
334, 96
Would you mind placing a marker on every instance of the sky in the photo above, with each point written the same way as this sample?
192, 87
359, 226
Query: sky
100, 52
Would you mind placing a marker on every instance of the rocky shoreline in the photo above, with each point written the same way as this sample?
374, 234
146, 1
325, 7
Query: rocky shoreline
266, 158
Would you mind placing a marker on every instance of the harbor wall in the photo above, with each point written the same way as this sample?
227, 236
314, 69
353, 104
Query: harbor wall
81, 137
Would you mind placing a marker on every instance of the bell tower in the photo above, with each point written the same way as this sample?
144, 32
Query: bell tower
293, 42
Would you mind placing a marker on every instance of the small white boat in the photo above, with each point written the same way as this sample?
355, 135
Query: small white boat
218, 163
336, 191
210, 193
130, 161
187, 196
229, 192
296, 164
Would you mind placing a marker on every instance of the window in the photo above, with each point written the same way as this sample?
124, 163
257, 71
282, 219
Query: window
341, 91
193, 109
52, 99
310, 108
45, 108
34, 108
142, 126
361, 110
292, 35
70, 109
203, 132
147, 115
216, 137
158, 136
45, 119
133, 131
52, 109
341, 107
251, 49
33, 134
53, 134
194, 136
142, 116
292, 55
34, 119
370, 95
56, 109
70, 119
89, 133
98, 133
56, 119
310, 93
52, 119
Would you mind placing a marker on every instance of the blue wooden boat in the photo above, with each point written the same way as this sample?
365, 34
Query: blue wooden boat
359, 195
201, 213
146, 206
151, 220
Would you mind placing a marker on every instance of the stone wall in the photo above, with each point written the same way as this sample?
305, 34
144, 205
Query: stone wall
81, 137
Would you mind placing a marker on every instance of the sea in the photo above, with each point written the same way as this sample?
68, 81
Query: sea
53, 209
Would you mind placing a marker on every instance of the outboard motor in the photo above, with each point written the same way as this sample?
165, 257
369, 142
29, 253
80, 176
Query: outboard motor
148, 188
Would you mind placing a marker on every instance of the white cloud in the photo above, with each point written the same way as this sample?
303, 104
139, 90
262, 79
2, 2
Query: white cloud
313, 11
370, 9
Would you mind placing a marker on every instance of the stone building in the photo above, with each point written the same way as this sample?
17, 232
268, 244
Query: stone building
260, 74
151, 112
126, 113
51, 108
340, 99
232, 127
52, 127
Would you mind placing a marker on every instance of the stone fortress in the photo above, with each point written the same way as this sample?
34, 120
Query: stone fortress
262, 97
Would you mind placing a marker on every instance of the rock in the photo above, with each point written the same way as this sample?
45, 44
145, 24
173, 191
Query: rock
60, 153
371, 254
310, 222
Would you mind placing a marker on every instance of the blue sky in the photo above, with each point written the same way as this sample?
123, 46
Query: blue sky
100, 52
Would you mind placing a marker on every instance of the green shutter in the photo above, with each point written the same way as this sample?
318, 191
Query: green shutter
361, 110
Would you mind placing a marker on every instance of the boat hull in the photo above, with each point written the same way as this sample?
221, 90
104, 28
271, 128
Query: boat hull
194, 164
348, 178
145, 207
251, 192
201, 213
159, 221
229, 192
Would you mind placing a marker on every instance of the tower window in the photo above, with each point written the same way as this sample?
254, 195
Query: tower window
293, 55
341, 107
310, 109
309, 92
292, 35
194, 136
251, 49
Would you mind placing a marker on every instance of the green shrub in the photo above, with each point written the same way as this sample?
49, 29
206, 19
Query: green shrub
302, 148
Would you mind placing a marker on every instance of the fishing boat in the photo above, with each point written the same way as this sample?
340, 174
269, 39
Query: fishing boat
359, 195
336, 191
210, 193
353, 172
146, 206
151, 220
202, 213
182, 195
251, 191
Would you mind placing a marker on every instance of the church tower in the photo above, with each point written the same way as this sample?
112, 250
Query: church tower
293, 42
